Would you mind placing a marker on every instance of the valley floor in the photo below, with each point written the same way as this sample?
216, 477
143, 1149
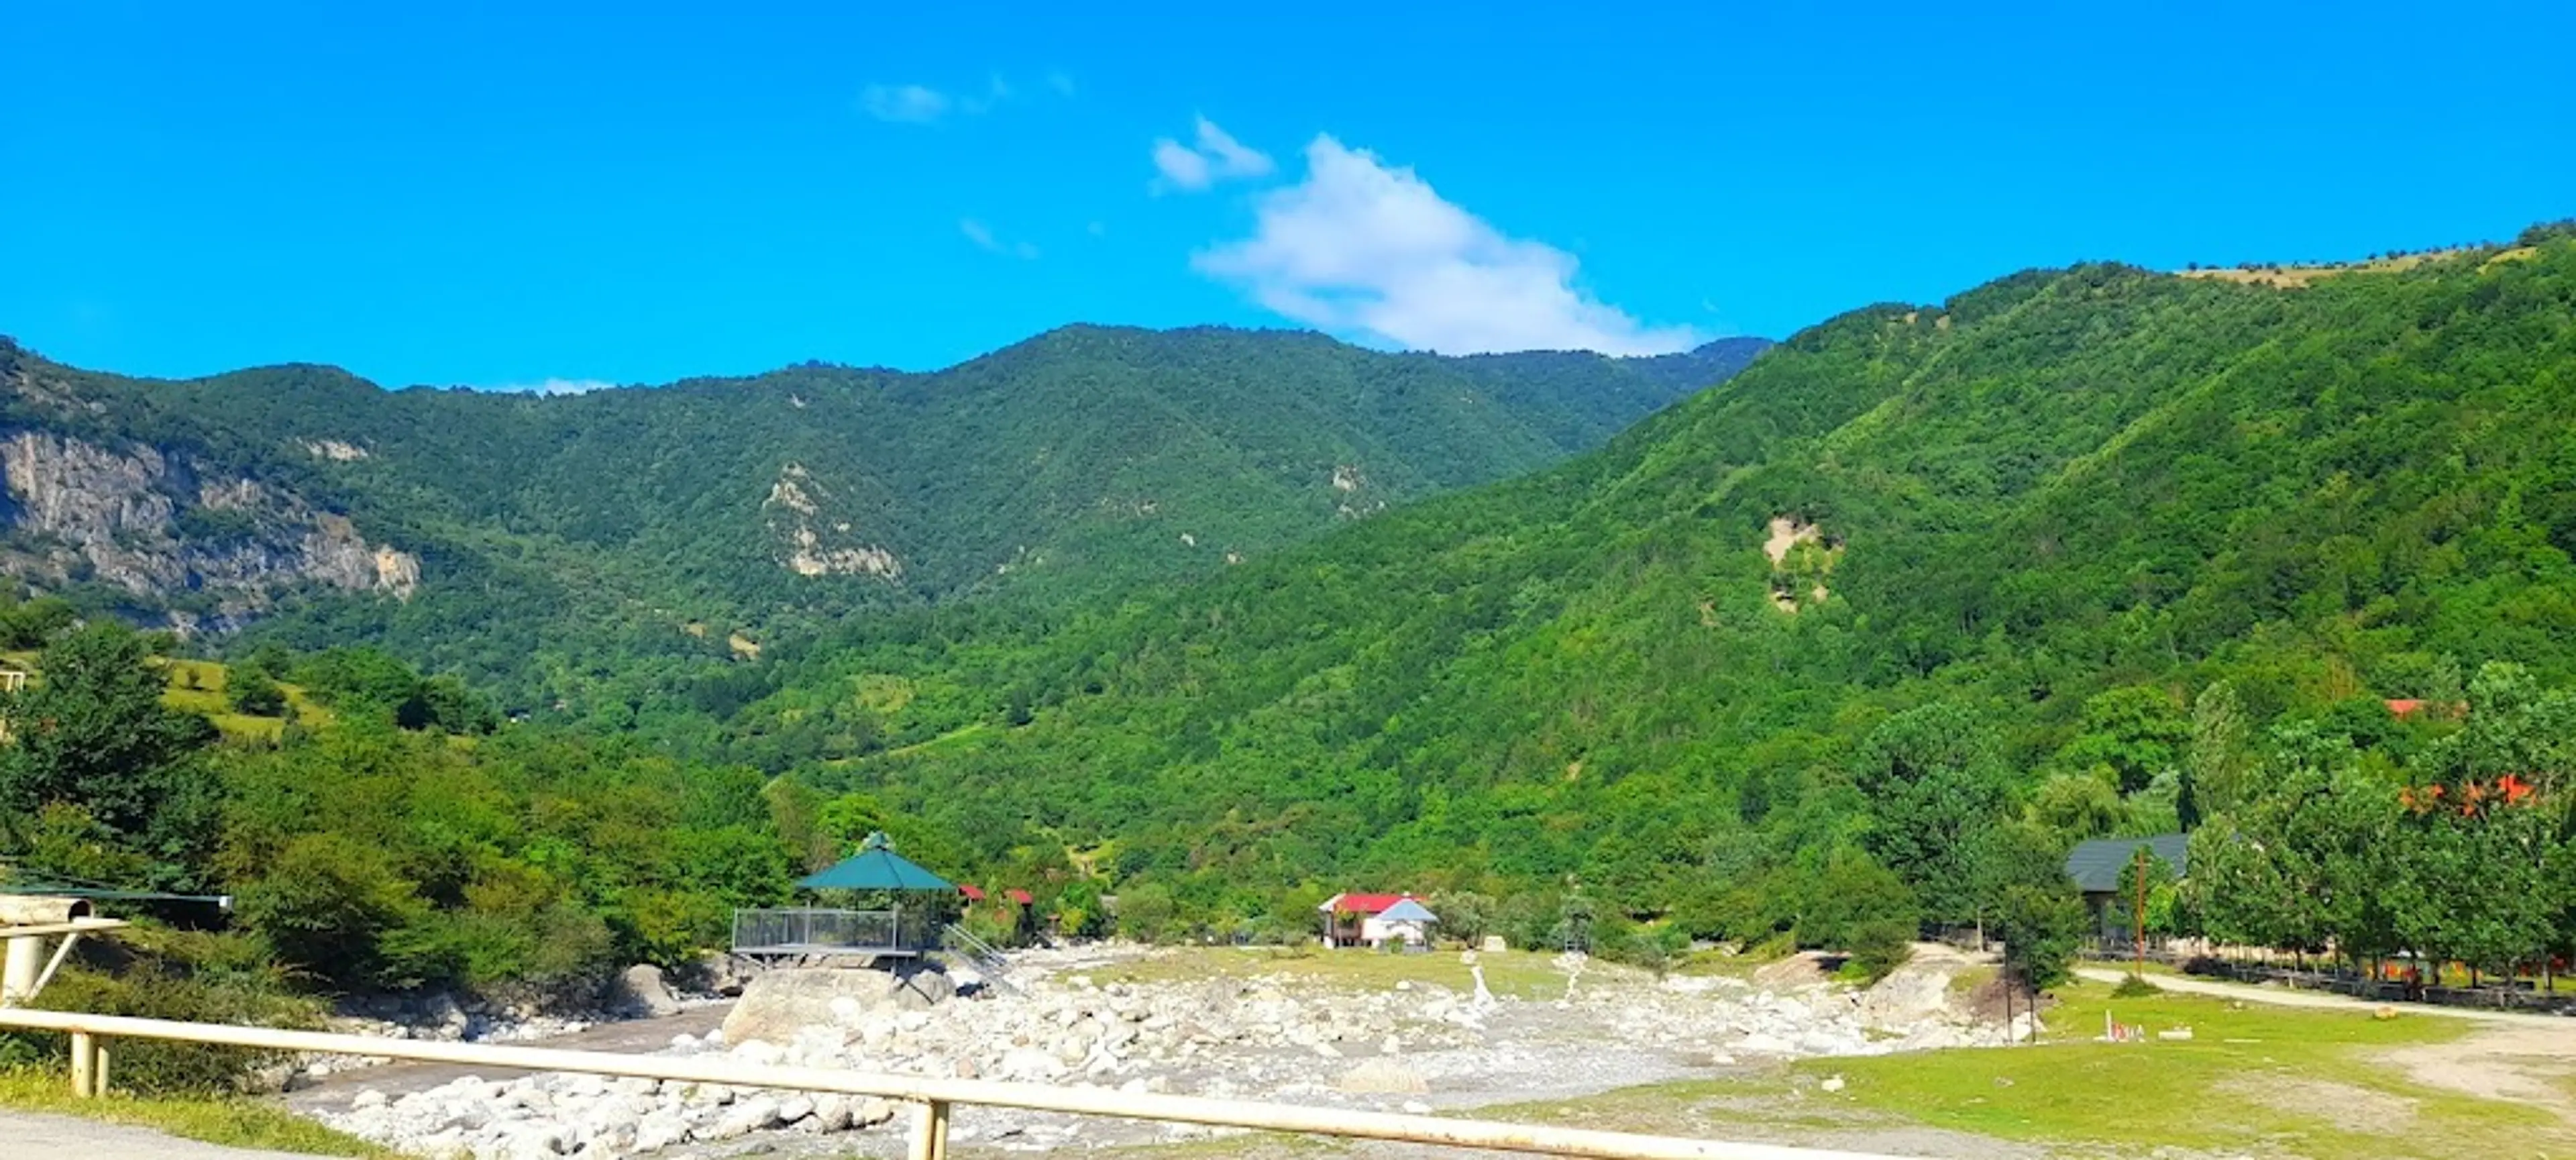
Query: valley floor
1737, 1053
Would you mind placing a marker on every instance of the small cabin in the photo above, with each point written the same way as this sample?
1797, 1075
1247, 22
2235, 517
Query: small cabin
2095, 867
1375, 919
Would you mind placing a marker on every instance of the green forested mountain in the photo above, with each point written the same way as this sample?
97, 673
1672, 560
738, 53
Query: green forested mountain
550, 547
1857, 640
2090, 531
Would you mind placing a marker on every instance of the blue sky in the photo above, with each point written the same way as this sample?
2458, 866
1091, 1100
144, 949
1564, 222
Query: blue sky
495, 196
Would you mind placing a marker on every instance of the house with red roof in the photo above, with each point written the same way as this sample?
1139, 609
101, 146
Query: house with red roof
1015, 906
1372, 919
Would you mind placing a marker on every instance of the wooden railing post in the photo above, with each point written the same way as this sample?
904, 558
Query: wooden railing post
98, 1066
930, 1130
84, 1063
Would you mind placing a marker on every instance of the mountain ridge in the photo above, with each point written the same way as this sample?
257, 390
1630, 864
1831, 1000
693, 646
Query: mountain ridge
1081, 460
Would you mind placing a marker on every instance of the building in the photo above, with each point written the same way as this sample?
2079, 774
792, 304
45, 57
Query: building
2096, 867
1372, 919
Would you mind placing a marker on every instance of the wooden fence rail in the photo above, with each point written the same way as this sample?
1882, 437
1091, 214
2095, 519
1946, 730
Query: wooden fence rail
931, 1098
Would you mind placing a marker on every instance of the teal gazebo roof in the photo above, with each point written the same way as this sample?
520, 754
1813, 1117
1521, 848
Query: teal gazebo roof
875, 867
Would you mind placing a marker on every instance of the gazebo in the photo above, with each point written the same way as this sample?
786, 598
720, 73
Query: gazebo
800, 931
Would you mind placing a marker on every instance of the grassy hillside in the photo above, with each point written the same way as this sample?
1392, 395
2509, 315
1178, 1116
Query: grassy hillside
201, 687
2068, 502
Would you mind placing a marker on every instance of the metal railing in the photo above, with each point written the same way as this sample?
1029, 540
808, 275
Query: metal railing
990, 963
932, 1099
821, 931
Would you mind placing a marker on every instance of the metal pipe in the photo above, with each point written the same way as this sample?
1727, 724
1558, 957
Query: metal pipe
1361, 1125
25, 959
61, 952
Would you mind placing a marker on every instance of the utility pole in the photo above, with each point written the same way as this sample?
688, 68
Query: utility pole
2140, 916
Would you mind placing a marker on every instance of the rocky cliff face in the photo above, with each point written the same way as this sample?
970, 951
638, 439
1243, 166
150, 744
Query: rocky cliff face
173, 533
810, 543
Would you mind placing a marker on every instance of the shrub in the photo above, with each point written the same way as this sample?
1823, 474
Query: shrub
2135, 987
1860, 908
1878, 946
251, 691
161, 974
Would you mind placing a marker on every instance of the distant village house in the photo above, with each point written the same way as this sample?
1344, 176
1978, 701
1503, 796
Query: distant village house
1374, 919
2096, 867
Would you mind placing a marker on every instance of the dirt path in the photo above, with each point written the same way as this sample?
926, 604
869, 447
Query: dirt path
40, 1134
2285, 997
635, 1036
2517, 1056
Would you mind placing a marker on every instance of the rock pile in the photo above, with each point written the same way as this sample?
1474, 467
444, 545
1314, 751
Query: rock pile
1274, 1036
585, 1115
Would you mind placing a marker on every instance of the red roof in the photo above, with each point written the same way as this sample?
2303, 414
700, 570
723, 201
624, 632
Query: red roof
1361, 903
2404, 706
1020, 896
972, 893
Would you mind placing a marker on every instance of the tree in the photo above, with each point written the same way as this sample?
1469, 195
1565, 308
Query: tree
2214, 761
2133, 733
95, 735
1464, 915
1933, 782
1862, 909
251, 691
36, 622
1146, 912
2302, 863
2042, 927
330, 903
2078, 805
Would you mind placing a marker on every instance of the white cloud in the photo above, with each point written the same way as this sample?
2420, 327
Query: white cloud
1215, 157
907, 104
923, 105
558, 387
982, 235
1359, 247
1180, 165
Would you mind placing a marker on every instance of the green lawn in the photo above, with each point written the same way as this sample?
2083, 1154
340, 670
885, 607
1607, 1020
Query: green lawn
2266, 1078
235, 1122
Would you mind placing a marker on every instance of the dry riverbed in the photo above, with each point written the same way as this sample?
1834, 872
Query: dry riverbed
1341, 1029
1774, 1056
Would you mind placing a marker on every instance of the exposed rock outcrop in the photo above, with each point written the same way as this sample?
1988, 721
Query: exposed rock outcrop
807, 538
163, 525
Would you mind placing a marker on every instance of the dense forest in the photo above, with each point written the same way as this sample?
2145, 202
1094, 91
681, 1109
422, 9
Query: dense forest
561, 544
2018, 558
1853, 643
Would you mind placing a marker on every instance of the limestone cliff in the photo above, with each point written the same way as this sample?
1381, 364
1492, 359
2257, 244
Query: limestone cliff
175, 533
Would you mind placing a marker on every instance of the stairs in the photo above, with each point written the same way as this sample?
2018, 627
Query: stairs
990, 962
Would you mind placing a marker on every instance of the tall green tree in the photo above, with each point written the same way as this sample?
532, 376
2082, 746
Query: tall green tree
94, 735
1934, 782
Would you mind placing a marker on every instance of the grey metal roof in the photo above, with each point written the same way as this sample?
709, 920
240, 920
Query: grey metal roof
2095, 866
1408, 911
